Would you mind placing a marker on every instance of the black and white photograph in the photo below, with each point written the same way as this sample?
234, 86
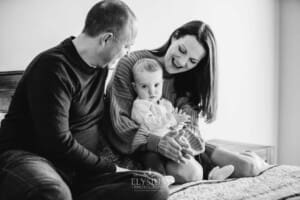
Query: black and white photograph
149, 99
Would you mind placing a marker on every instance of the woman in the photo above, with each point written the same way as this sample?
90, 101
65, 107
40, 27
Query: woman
189, 62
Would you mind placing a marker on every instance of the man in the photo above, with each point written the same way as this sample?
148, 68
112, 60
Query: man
49, 138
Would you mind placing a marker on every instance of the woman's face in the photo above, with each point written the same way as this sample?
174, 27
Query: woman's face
183, 54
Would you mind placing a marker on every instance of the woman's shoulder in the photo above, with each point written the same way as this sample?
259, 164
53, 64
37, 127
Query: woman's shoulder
126, 63
133, 57
139, 54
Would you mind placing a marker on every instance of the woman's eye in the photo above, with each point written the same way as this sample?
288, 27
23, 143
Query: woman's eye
144, 86
181, 50
156, 85
193, 61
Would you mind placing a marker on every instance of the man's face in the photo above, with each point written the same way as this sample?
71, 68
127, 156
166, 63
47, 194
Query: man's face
120, 46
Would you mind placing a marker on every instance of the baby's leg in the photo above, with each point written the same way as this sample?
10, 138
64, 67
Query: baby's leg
183, 173
153, 161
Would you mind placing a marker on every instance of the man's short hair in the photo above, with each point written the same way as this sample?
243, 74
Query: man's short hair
107, 16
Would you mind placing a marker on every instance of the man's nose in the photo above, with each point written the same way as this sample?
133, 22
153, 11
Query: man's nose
127, 51
123, 53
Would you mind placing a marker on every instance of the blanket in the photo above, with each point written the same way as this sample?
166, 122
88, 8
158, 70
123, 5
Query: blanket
276, 183
279, 182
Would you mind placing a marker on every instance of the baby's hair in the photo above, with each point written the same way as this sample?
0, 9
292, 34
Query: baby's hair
145, 64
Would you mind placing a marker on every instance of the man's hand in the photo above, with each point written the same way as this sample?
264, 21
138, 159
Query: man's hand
121, 169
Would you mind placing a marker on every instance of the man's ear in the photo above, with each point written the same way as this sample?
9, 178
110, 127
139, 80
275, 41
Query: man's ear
105, 38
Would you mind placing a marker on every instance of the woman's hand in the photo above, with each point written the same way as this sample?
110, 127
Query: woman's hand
186, 147
171, 147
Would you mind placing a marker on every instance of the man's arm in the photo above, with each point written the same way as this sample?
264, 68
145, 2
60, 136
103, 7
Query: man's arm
49, 96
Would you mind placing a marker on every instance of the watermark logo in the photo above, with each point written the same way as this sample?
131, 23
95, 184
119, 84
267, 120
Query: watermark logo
146, 181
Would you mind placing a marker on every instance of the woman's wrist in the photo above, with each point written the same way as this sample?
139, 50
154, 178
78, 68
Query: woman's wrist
152, 142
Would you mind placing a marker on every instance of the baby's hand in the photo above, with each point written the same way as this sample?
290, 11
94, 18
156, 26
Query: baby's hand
181, 117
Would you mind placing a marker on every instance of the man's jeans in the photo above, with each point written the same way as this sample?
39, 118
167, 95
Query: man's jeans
26, 176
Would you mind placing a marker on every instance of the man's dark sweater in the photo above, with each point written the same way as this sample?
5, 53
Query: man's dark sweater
57, 111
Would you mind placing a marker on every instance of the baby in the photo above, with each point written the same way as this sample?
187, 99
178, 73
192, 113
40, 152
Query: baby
159, 116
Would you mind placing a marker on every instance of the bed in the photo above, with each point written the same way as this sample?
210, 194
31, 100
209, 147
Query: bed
278, 182
8, 82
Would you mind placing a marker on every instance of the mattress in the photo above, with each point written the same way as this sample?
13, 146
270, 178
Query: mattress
277, 182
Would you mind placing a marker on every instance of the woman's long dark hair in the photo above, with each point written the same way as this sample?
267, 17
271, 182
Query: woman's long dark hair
200, 83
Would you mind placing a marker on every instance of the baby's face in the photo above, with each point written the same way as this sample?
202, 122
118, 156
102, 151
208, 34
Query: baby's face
148, 85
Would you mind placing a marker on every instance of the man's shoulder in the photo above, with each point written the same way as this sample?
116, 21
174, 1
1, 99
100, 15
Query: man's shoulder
48, 68
50, 60
52, 56
45, 64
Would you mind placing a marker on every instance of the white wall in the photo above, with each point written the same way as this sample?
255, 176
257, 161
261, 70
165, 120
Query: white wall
31, 26
248, 77
289, 114
244, 31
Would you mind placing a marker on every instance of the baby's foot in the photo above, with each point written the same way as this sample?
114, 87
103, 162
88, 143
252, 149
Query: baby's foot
222, 173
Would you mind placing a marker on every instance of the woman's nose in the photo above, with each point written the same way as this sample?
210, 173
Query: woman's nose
182, 61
